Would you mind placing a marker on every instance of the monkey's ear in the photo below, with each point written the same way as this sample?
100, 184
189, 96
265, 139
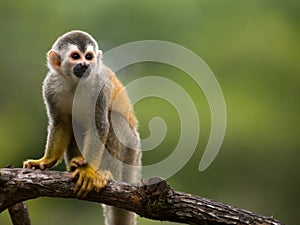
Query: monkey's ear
54, 60
99, 55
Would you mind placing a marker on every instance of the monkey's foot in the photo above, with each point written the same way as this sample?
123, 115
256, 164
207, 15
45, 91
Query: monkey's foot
42, 163
76, 162
88, 179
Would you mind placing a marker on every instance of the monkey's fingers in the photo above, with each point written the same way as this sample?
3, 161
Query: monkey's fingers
28, 164
102, 178
39, 164
76, 162
89, 179
89, 187
100, 183
79, 180
86, 187
33, 164
74, 174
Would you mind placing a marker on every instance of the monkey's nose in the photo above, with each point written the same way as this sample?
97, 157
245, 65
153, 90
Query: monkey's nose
81, 70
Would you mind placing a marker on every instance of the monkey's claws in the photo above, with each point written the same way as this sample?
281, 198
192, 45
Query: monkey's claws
39, 164
88, 179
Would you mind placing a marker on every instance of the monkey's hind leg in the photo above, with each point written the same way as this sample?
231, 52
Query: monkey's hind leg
123, 159
117, 216
130, 174
114, 215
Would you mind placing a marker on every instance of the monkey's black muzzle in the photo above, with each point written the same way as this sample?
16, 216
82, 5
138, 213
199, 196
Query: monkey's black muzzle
82, 71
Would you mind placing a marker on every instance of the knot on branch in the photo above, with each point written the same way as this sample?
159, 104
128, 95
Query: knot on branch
155, 186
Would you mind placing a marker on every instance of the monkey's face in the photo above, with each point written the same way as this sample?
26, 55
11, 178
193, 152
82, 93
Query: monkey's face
75, 63
81, 63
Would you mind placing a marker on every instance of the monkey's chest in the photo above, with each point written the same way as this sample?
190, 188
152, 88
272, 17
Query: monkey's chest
64, 104
74, 103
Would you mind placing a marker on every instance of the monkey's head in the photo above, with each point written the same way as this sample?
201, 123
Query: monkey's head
74, 54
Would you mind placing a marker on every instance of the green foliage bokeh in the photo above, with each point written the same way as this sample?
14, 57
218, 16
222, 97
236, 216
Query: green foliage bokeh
253, 48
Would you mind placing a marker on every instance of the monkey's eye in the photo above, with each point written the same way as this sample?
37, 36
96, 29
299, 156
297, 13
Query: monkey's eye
89, 56
75, 56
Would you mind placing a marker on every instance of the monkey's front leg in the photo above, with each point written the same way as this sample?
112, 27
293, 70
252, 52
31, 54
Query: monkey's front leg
58, 139
97, 128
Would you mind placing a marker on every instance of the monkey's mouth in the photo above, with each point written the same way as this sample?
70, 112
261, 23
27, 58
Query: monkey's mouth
82, 71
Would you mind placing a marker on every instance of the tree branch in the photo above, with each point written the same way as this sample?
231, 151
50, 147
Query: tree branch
153, 199
19, 214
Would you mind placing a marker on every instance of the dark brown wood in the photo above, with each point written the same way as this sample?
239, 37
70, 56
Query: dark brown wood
153, 198
19, 214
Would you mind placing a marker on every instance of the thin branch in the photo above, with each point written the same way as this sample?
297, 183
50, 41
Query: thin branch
153, 199
19, 214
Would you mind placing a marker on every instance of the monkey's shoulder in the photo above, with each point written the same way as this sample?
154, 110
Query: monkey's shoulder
58, 93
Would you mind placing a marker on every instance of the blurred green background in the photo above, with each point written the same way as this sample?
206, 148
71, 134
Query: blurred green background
253, 48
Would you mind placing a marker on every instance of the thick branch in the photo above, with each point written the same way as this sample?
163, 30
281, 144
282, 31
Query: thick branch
153, 199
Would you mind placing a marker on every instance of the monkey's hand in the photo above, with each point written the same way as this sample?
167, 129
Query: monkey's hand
88, 179
42, 163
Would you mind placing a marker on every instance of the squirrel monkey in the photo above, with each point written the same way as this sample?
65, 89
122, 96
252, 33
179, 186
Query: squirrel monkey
96, 134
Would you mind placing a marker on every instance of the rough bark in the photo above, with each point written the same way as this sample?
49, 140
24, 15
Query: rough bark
153, 199
19, 214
